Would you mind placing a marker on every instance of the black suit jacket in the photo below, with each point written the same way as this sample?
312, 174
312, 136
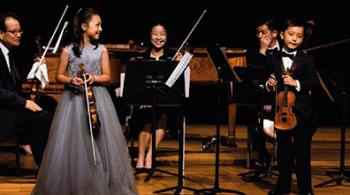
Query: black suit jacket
303, 70
10, 101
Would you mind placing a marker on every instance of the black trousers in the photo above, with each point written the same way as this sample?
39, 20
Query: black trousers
33, 127
295, 146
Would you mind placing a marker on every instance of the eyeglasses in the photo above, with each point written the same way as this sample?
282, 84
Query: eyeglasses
15, 32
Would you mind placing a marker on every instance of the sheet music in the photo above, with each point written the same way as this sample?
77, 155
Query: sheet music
39, 70
179, 69
119, 90
187, 78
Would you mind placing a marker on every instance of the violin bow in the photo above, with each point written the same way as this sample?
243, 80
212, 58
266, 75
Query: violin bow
189, 34
53, 35
89, 117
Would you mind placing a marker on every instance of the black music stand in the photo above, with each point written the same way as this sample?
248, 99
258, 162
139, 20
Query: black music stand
145, 85
251, 91
341, 175
225, 73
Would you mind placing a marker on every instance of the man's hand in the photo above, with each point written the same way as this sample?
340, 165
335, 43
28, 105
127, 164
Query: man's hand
32, 106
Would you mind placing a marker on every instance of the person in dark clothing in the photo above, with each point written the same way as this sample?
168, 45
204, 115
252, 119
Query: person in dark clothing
294, 69
143, 114
18, 116
267, 36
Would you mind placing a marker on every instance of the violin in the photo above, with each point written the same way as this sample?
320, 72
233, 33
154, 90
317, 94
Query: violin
35, 90
94, 122
285, 119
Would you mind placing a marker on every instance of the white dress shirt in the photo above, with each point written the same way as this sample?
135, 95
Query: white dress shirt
5, 51
287, 63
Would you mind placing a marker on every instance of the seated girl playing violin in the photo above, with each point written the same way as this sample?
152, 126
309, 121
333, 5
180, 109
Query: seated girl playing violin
143, 115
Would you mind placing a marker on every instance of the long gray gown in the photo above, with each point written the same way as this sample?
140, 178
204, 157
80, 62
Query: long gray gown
67, 167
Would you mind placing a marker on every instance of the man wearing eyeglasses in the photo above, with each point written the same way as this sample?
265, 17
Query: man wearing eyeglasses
18, 116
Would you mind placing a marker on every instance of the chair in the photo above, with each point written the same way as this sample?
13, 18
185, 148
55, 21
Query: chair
11, 145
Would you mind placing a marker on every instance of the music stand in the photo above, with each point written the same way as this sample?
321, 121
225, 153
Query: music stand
341, 175
251, 91
145, 85
225, 73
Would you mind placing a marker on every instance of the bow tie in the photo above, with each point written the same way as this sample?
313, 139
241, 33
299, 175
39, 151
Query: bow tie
291, 56
271, 51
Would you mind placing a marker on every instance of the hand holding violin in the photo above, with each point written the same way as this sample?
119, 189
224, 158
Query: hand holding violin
179, 56
288, 80
76, 81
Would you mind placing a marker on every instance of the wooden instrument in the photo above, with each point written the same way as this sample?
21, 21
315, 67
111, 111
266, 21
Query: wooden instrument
285, 119
93, 120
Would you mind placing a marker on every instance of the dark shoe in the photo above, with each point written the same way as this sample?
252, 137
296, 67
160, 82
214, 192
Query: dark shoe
139, 170
277, 192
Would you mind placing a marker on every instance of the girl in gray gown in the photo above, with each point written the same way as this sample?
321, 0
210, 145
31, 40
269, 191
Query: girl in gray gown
68, 166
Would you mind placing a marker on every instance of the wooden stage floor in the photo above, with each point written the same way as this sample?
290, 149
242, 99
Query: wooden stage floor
199, 165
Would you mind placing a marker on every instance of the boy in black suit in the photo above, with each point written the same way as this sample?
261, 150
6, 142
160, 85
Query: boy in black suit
267, 36
294, 144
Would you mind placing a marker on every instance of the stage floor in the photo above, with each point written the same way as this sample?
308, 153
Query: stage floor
200, 165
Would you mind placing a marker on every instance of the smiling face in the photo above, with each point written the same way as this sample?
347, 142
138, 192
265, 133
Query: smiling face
292, 37
93, 28
158, 36
11, 36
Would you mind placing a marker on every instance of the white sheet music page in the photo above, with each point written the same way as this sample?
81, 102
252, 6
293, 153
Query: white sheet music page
181, 66
119, 91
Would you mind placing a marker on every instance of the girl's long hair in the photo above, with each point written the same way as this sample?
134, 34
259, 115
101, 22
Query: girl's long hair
84, 15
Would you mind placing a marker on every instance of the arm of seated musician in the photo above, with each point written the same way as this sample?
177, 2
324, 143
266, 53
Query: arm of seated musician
11, 100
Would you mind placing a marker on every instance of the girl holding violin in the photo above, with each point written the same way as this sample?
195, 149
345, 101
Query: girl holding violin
69, 166
293, 74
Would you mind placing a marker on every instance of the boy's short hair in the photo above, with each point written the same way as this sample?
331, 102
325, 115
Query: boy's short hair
269, 22
293, 22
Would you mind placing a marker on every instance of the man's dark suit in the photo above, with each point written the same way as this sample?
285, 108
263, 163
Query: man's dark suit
296, 143
15, 120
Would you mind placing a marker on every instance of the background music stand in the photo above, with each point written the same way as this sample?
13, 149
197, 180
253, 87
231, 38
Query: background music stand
341, 175
251, 91
145, 85
225, 73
